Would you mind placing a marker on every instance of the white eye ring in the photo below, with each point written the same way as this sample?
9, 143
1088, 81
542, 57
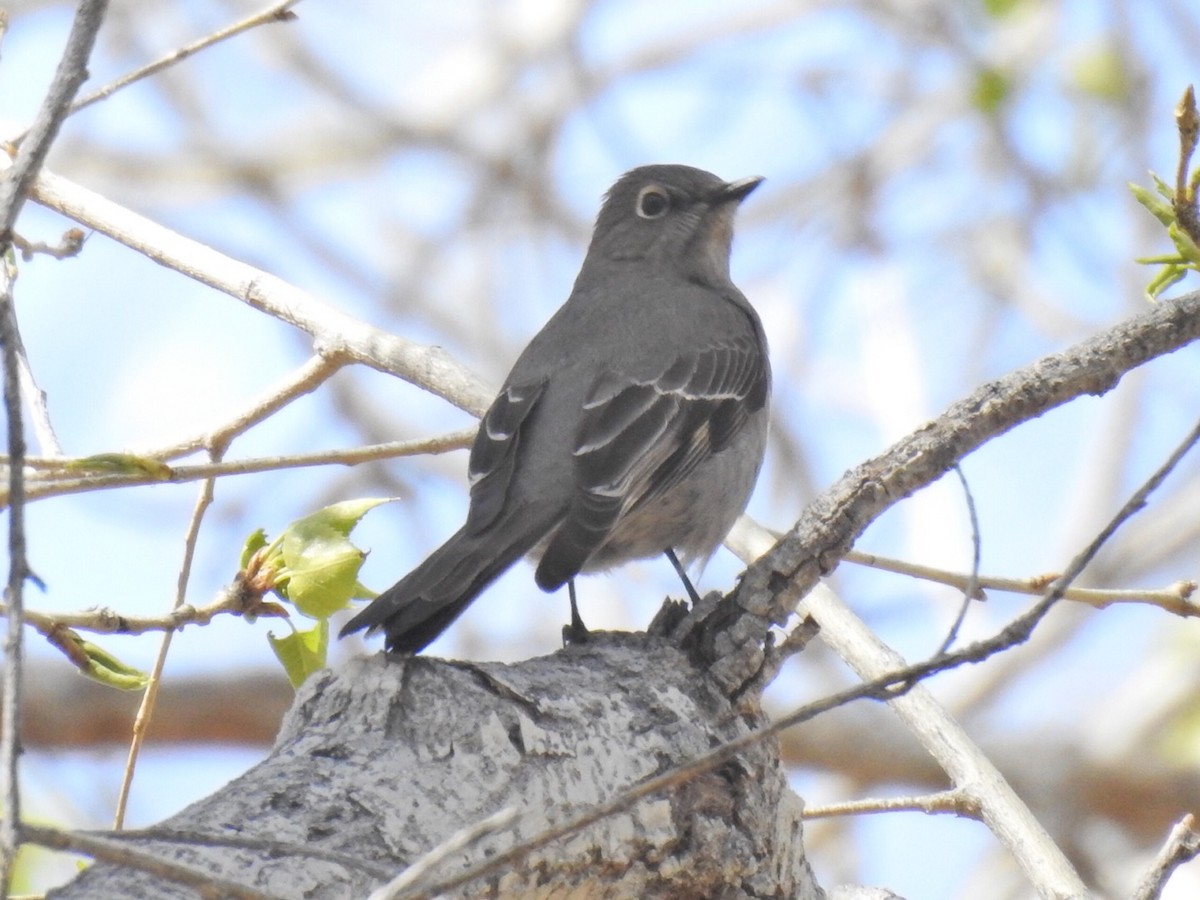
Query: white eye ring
652, 202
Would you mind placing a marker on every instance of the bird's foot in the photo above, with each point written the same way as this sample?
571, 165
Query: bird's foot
576, 632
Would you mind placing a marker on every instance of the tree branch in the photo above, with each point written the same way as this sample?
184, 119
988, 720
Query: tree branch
827, 529
114, 852
276, 12
1177, 598
14, 187
150, 696
60, 477
737, 633
333, 331
1183, 845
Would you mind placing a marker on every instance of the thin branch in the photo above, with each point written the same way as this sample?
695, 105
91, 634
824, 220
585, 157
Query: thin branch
43, 428
114, 852
1003, 812
18, 570
312, 374
240, 842
14, 188
57, 484
315, 372
306, 379
68, 78
69, 246
955, 802
1187, 120
150, 697
411, 878
829, 526
276, 12
333, 331
1183, 845
1175, 598
733, 638
972, 586
103, 620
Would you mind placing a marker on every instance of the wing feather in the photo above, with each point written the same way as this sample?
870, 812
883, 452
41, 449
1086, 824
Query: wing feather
494, 453
639, 437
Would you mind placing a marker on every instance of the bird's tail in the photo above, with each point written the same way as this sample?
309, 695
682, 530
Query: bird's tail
423, 603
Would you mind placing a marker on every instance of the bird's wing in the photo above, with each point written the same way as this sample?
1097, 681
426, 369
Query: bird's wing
494, 453
639, 437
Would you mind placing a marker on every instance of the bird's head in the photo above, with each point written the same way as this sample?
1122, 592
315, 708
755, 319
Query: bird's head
674, 216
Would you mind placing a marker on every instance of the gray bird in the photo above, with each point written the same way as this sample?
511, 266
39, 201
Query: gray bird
633, 424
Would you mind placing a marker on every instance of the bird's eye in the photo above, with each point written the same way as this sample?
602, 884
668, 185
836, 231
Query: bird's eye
652, 202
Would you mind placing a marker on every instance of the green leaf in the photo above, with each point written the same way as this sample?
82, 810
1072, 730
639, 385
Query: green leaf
320, 565
1163, 280
1162, 187
302, 652
992, 87
1187, 248
122, 464
998, 9
105, 668
1159, 208
1101, 72
255, 542
345, 515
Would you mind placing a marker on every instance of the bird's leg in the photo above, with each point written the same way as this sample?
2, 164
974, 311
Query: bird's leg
576, 632
687, 582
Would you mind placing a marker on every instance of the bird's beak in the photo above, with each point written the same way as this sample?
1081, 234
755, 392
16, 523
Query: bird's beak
737, 191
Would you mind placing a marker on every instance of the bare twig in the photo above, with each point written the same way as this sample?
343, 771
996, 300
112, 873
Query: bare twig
68, 77
1183, 845
114, 852
954, 802
150, 697
334, 332
241, 842
1175, 598
14, 187
972, 586
304, 380
59, 480
18, 569
69, 246
410, 879
1187, 120
1133, 505
39, 410
103, 620
1003, 812
827, 528
276, 12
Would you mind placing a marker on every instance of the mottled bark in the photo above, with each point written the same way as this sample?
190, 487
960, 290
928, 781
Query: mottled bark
386, 758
